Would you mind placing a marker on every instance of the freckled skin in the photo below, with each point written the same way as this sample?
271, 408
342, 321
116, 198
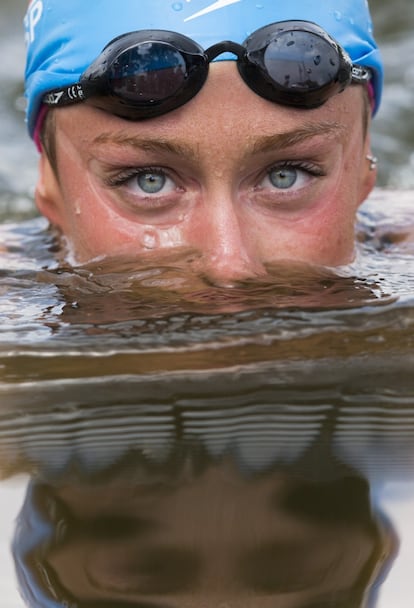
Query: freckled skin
218, 152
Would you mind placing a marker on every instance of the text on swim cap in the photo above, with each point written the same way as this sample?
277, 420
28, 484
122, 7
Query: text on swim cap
32, 18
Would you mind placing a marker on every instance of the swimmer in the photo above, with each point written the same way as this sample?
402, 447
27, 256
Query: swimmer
235, 129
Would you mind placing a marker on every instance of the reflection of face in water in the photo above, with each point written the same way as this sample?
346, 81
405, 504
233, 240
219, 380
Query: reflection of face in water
207, 539
114, 291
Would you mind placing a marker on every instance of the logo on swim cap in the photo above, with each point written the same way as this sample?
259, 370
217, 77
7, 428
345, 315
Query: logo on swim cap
213, 7
32, 18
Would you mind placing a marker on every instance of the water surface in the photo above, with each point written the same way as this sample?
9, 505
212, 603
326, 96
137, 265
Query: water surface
166, 442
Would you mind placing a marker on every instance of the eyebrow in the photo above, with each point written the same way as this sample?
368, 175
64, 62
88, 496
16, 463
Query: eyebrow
147, 145
297, 136
263, 144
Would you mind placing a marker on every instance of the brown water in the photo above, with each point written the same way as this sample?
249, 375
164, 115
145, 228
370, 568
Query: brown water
168, 443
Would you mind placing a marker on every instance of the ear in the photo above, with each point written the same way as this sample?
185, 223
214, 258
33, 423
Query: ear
48, 196
368, 172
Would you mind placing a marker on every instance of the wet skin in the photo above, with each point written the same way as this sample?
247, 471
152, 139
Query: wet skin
240, 180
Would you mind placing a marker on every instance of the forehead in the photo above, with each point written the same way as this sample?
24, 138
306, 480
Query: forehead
224, 109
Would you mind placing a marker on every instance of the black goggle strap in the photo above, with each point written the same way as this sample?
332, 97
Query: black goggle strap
65, 96
360, 75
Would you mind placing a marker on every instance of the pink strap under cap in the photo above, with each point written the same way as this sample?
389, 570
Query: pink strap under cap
39, 124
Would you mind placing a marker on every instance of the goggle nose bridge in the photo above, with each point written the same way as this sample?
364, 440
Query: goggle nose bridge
227, 46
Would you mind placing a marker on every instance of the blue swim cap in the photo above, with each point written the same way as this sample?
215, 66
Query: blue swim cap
65, 36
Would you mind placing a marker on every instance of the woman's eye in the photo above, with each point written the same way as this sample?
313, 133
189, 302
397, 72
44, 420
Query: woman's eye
287, 177
151, 182
145, 182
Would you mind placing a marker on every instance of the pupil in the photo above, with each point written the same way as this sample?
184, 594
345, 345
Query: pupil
283, 178
151, 183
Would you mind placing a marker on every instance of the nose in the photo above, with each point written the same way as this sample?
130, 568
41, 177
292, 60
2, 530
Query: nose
229, 246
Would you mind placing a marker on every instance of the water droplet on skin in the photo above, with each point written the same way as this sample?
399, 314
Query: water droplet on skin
150, 240
177, 6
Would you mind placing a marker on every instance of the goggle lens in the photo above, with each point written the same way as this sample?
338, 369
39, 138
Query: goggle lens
300, 62
148, 73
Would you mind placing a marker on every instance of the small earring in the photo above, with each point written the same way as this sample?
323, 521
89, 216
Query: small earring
373, 162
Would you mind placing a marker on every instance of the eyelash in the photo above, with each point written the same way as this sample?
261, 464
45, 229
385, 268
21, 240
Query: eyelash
308, 167
122, 178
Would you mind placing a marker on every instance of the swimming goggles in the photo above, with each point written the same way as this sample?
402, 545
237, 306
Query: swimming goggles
147, 73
